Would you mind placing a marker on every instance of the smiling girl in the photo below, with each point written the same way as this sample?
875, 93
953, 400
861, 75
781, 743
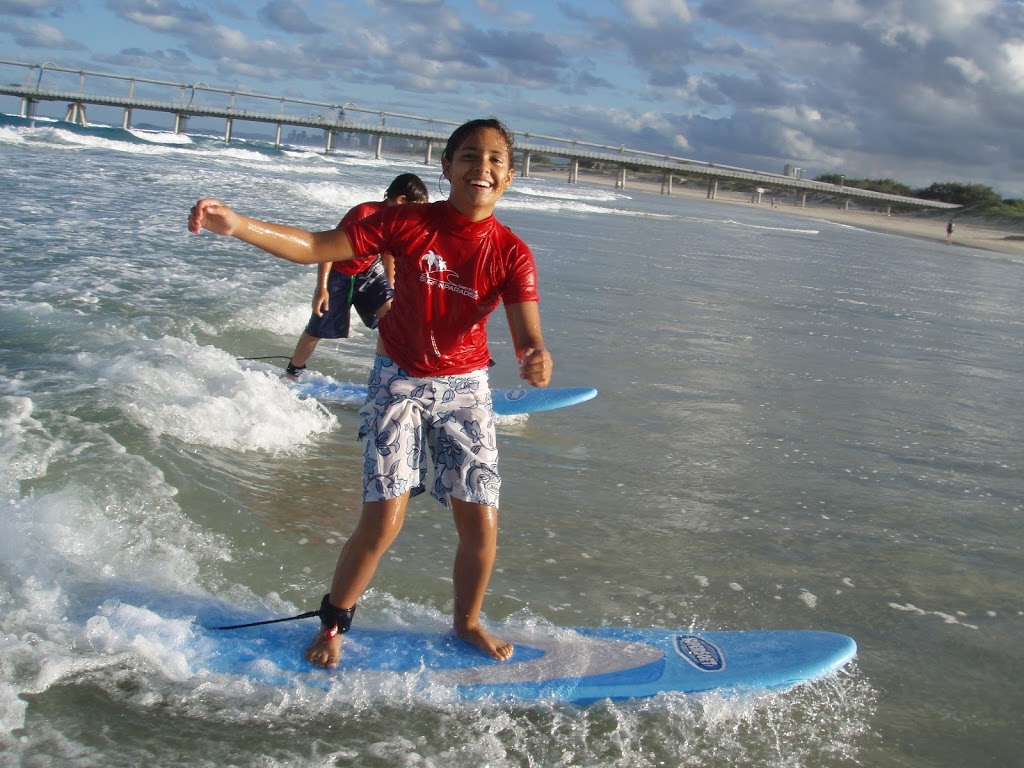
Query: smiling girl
428, 390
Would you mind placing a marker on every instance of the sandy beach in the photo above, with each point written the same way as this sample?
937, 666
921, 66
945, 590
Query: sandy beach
967, 232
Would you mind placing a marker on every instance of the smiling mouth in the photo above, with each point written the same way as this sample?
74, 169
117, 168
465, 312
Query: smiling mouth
481, 184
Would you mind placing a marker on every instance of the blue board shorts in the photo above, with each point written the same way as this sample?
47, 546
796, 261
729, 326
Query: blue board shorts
451, 416
367, 292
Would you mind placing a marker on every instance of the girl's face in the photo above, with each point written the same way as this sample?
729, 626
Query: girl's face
480, 171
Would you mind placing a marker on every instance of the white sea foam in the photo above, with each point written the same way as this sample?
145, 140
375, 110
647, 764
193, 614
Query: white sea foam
162, 137
339, 197
561, 190
11, 135
90, 141
69, 532
120, 628
201, 396
946, 617
765, 227
809, 599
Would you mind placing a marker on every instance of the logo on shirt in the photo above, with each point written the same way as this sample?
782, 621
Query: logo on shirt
435, 272
434, 262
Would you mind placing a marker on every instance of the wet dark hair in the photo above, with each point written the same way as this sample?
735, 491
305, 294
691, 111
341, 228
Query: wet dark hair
411, 186
460, 134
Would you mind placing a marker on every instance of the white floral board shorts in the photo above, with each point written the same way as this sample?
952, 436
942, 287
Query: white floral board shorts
452, 416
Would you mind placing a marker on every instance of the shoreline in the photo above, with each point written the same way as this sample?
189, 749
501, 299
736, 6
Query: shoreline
967, 233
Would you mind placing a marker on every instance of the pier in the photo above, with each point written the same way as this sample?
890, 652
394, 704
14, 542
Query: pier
81, 90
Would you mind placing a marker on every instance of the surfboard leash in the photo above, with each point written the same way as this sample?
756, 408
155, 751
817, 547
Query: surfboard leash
306, 615
335, 620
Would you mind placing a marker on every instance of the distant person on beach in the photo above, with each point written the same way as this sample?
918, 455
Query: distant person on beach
949, 232
361, 283
428, 390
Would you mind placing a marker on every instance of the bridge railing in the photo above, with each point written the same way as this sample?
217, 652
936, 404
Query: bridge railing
197, 96
200, 99
52, 77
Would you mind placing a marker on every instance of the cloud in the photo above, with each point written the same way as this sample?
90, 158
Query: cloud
169, 60
658, 42
1013, 64
161, 15
514, 46
288, 16
43, 36
36, 8
651, 14
967, 69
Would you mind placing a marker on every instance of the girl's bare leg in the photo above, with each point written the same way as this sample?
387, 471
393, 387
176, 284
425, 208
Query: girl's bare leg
477, 526
378, 526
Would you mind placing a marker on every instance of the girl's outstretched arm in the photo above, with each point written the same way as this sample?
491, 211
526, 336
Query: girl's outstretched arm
289, 243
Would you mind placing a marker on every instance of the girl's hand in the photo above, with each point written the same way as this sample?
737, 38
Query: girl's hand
212, 215
535, 366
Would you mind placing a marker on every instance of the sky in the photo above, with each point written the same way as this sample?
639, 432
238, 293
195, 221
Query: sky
920, 91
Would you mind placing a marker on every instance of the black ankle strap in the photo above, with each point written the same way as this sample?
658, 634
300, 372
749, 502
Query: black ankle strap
294, 370
338, 619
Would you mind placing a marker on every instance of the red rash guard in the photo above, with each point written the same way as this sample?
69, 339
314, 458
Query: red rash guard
450, 274
361, 211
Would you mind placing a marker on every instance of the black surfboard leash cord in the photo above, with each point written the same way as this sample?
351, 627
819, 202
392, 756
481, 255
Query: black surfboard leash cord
306, 615
334, 620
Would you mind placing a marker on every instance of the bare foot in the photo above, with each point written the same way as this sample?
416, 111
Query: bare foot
492, 646
325, 650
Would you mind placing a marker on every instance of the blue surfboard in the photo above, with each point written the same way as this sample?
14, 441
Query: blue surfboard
507, 402
511, 402
576, 665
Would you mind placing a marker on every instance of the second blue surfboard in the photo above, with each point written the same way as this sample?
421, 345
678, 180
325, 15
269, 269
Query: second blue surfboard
507, 402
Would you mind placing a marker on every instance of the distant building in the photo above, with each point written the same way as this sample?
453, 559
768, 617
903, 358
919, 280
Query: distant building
792, 171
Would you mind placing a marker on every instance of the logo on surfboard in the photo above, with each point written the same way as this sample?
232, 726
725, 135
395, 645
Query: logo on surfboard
701, 653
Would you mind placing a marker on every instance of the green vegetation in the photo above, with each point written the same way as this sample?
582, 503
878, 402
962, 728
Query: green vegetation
886, 186
977, 199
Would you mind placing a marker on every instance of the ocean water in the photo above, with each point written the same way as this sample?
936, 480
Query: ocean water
799, 425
